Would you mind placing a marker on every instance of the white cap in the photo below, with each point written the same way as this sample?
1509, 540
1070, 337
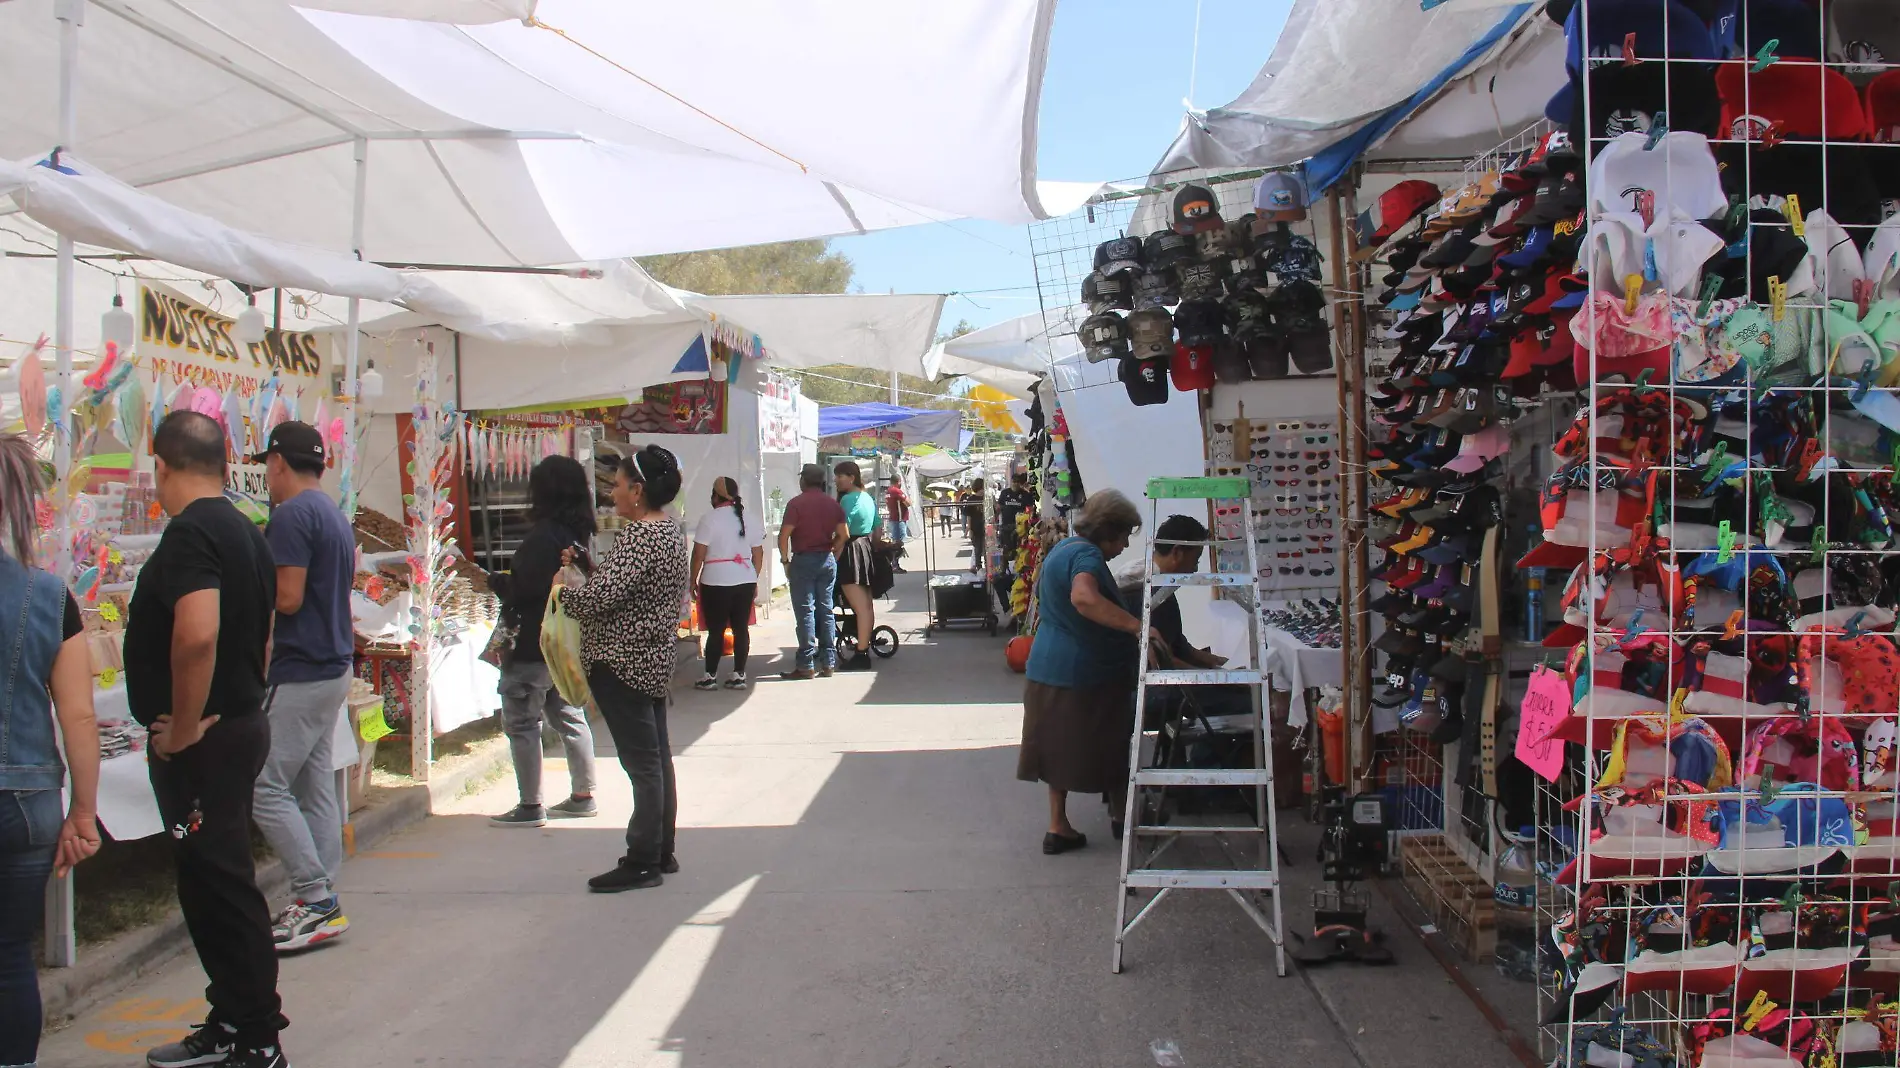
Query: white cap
1836, 263
1618, 243
1882, 263
1680, 174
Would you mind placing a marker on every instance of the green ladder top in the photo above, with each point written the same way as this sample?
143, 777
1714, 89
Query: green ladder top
1160, 489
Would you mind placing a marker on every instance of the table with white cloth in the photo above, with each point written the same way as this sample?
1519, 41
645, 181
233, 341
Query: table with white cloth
1291, 665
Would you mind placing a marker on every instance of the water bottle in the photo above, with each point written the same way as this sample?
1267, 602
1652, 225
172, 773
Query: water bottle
1514, 897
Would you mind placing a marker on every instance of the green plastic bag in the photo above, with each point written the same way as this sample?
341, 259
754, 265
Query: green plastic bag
561, 648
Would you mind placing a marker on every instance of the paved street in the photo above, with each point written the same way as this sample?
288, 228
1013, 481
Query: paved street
861, 888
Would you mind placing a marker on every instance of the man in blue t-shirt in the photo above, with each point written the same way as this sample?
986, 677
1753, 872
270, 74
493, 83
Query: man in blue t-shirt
313, 648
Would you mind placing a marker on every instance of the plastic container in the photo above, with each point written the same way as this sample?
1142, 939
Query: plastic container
1514, 897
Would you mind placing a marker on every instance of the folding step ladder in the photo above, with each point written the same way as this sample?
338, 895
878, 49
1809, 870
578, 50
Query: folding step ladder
1144, 844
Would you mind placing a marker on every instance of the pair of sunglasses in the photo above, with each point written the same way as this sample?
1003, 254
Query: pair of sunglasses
1230, 509
1289, 425
1318, 439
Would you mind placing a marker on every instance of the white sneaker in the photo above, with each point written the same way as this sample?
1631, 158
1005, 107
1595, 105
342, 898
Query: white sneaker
736, 681
303, 925
706, 682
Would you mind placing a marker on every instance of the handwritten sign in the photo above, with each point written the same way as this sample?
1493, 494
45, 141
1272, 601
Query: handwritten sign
1546, 705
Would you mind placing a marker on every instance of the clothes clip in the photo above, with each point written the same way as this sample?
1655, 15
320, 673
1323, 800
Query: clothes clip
1791, 207
1718, 458
1658, 128
1642, 387
1710, 287
1731, 628
1725, 542
1629, 50
1650, 273
1893, 462
1862, 383
1763, 59
1632, 289
1818, 547
1863, 296
1777, 298
1427, 5
1893, 896
1853, 626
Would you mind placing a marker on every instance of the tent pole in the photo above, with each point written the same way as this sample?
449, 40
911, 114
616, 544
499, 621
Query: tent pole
352, 338
62, 949
894, 399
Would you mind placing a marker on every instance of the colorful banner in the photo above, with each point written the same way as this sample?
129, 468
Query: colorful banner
181, 341
676, 408
778, 414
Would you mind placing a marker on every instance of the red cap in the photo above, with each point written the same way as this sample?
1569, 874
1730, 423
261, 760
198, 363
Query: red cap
1883, 107
1525, 348
1557, 285
1802, 97
1192, 367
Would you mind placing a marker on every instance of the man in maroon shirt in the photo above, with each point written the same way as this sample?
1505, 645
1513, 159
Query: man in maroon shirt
809, 538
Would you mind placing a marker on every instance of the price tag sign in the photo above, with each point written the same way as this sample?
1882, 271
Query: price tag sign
1546, 705
109, 612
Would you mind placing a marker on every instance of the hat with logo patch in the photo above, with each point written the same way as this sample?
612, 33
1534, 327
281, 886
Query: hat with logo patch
1119, 254
1145, 380
1104, 337
1157, 287
1200, 322
1165, 248
293, 441
1196, 210
1152, 333
1192, 367
1278, 197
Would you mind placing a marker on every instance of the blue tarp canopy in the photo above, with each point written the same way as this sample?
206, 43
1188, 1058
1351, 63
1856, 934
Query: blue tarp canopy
918, 424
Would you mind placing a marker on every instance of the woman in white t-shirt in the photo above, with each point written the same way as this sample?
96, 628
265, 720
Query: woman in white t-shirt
728, 550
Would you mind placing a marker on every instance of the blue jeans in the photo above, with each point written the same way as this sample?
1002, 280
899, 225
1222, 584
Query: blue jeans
29, 832
814, 577
896, 527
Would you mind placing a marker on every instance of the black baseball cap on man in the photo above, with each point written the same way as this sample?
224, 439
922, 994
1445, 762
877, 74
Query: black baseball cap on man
293, 440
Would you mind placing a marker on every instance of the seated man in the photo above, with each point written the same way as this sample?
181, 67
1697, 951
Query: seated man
1177, 551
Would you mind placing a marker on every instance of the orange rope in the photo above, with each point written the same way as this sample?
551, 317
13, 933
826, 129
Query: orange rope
564, 35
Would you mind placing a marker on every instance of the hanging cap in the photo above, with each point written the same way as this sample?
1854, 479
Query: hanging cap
1279, 197
1196, 210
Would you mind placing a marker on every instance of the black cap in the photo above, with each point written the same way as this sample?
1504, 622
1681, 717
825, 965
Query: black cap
293, 440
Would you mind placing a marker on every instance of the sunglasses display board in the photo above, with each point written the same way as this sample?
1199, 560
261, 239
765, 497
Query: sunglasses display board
1701, 253
1292, 467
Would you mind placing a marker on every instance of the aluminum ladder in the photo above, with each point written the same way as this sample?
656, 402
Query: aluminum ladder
1139, 868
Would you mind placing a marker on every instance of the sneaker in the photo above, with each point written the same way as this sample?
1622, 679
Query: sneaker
574, 808
308, 923
521, 816
625, 876
706, 682
209, 1044
259, 1057
737, 681
860, 662
669, 865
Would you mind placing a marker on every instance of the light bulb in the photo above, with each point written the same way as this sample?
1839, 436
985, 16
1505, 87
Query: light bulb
250, 325
370, 385
116, 324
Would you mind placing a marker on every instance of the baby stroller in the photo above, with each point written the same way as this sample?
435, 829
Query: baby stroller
884, 555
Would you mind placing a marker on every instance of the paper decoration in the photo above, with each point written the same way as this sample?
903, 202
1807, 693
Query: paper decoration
134, 413
233, 420
184, 399
33, 390
1546, 705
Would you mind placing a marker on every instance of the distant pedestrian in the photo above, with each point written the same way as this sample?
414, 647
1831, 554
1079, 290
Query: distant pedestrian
629, 611
973, 522
810, 537
897, 514
561, 509
728, 551
313, 651
41, 637
204, 602
856, 561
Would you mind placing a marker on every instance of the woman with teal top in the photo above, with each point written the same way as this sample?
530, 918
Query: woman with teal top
1078, 703
856, 563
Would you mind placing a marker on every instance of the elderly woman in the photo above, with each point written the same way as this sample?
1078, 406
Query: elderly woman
629, 612
1078, 703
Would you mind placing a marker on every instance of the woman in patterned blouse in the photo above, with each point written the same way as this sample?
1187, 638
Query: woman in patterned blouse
629, 612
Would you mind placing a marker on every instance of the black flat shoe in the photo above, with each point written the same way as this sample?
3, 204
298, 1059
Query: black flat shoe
1053, 843
670, 865
625, 877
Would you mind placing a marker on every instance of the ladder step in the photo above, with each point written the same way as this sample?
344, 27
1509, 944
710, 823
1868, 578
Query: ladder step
1200, 879
1208, 828
1202, 578
1202, 678
1203, 777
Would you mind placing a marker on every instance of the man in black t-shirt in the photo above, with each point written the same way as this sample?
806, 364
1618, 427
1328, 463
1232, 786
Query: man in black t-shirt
1012, 502
195, 651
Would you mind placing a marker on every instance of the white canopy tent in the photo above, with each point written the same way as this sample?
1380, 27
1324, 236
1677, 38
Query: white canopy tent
549, 132
1461, 77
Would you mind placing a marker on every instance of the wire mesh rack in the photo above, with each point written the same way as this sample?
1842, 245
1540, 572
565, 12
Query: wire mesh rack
1720, 858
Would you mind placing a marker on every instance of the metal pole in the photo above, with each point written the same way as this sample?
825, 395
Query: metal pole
351, 337
894, 400
1348, 424
62, 949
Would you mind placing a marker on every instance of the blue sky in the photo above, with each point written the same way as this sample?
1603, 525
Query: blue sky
1111, 103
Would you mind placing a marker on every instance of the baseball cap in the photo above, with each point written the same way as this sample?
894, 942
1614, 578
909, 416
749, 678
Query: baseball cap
1864, 35
1196, 210
1310, 345
293, 440
1119, 254
1230, 364
1200, 322
1619, 246
1145, 380
1152, 333
1394, 208
1676, 179
1803, 98
1192, 367
1883, 106
1104, 337
1165, 248
1265, 350
1278, 197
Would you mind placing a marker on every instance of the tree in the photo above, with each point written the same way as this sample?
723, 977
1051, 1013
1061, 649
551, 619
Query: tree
785, 267
963, 327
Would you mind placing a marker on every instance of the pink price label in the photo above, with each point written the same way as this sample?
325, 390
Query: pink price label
1546, 706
